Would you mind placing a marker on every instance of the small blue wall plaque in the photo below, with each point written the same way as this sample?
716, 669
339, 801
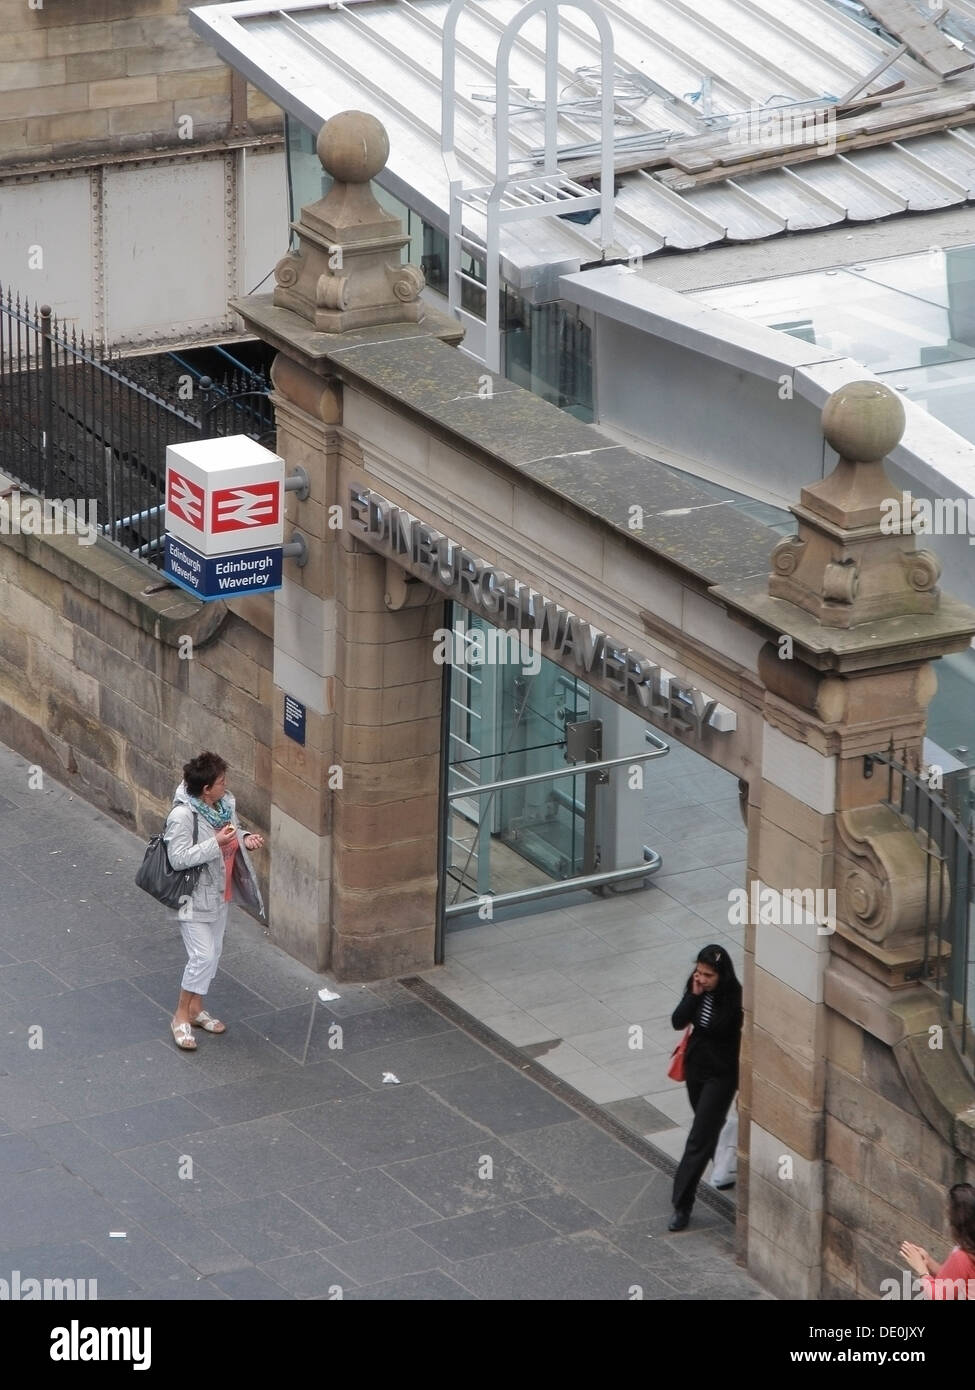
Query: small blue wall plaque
294, 719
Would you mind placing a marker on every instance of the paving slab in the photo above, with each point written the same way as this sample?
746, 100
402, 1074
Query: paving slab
460, 1181
434, 1286
270, 1228
385, 1257
400, 1122
496, 1097
479, 1176
276, 1092
308, 1276
584, 1267
147, 1124
363, 1204
482, 1233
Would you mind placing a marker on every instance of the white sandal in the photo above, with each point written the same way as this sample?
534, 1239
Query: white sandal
183, 1036
208, 1023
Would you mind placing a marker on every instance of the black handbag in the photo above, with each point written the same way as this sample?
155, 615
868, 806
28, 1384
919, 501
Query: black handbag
158, 878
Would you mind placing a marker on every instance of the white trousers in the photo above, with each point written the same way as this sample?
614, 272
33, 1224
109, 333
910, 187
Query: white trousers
204, 943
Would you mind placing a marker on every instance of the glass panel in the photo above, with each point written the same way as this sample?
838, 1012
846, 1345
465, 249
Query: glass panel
545, 821
507, 720
434, 252
307, 180
892, 315
945, 391
548, 350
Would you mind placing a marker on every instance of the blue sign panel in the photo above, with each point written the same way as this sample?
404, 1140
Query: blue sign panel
294, 719
212, 577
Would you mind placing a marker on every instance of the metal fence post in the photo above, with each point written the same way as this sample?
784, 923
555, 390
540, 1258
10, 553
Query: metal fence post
47, 399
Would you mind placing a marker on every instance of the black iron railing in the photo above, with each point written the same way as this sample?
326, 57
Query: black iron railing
76, 426
918, 796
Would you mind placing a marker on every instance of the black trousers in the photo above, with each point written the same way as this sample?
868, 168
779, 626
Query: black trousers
711, 1100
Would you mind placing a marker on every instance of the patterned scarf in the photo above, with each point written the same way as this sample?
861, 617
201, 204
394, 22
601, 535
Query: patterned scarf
216, 815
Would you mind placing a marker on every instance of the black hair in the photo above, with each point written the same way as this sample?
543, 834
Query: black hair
961, 1216
202, 771
717, 958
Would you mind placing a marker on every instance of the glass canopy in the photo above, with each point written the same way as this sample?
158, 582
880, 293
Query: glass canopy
910, 319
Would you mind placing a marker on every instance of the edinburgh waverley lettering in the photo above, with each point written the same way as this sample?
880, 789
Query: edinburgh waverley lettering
454, 571
220, 576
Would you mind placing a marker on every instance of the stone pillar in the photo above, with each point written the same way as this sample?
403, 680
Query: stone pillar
852, 616
385, 833
354, 824
307, 409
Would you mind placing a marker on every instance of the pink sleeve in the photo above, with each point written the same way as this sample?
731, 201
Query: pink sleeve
959, 1269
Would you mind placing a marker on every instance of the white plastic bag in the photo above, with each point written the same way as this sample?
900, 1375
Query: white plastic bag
726, 1154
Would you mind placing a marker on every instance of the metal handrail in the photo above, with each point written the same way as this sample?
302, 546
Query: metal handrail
576, 770
561, 885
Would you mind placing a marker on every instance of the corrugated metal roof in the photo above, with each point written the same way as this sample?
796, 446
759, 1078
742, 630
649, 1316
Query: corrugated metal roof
684, 63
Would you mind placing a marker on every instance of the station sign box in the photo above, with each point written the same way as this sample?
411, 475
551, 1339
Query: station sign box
224, 495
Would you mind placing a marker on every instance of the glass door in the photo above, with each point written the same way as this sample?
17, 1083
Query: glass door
507, 720
544, 822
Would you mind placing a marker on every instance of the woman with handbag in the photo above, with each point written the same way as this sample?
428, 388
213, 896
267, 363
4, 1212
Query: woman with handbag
711, 1010
202, 832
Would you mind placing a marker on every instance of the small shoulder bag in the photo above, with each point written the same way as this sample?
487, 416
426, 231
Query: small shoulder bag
676, 1069
158, 878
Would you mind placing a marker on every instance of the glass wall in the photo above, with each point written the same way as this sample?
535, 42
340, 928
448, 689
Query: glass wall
307, 180
508, 720
547, 348
910, 319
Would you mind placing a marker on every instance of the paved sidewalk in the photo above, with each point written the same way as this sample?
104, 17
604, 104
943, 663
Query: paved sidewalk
271, 1163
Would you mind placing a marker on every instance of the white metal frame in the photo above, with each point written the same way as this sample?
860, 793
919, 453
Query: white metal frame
514, 199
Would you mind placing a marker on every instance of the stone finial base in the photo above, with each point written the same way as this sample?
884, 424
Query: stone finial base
347, 272
843, 566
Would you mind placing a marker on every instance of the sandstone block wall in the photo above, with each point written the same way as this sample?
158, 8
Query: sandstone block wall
94, 690
887, 1170
97, 75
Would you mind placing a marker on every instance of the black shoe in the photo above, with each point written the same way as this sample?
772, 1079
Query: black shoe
679, 1220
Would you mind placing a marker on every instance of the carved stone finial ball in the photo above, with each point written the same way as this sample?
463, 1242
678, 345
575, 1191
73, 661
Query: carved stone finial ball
863, 421
353, 146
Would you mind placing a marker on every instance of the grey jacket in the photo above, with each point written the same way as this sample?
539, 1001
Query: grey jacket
184, 854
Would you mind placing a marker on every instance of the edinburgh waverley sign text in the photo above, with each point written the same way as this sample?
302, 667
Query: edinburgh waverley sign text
480, 586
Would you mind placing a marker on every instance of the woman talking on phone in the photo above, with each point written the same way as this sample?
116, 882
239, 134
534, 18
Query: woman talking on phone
712, 1006
202, 831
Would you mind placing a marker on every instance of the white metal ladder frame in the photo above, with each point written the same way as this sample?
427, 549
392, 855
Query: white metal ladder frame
513, 199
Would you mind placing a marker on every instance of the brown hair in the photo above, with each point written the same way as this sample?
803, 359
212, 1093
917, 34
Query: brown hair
961, 1216
202, 771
